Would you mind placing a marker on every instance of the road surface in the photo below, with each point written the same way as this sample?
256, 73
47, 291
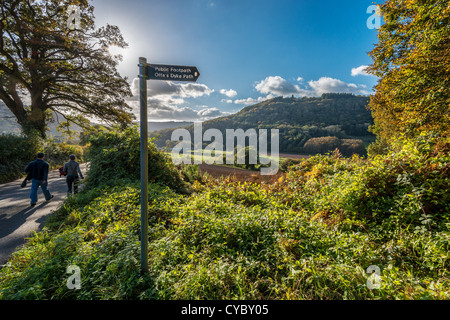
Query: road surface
18, 220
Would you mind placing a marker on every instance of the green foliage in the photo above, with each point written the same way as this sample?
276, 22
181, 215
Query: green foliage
90, 131
56, 154
68, 128
76, 235
378, 147
190, 173
115, 155
311, 235
15, 153
400, 189
412, 59
287, 163
246, 154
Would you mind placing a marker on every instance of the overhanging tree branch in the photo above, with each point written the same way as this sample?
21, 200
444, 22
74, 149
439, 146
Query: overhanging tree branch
59, 68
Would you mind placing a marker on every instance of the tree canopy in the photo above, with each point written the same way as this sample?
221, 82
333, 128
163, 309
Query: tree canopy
46, 67
412, 60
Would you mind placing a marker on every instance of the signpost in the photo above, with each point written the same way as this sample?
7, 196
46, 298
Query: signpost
153, 72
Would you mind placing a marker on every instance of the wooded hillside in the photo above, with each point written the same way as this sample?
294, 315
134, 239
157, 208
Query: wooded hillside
343, 116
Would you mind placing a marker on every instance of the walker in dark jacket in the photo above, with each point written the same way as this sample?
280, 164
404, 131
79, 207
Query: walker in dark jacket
38, 171
73, 174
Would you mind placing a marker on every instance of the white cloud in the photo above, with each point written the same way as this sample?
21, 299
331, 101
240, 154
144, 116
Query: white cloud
162, 110
226, 100
250, 101
171, 112
211, 113
169, 88
360, 71
278, 86
165, 100
229, 93
330, 85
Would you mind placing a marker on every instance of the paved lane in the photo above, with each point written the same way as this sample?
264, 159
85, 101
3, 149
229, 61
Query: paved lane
18, 220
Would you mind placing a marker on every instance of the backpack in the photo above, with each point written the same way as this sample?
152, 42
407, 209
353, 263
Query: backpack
61, 172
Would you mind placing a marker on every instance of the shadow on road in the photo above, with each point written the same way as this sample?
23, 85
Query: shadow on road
18, 220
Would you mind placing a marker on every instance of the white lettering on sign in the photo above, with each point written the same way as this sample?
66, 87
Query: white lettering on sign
174, 73
161, 69
180, 70
161, 75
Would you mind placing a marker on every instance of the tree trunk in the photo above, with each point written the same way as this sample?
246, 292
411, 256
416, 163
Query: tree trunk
35, 121
36, 117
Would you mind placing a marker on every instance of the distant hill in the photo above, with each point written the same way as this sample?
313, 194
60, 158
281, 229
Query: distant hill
8, 124
157, 126
299, 120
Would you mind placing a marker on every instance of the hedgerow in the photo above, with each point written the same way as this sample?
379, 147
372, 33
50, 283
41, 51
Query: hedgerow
17, 151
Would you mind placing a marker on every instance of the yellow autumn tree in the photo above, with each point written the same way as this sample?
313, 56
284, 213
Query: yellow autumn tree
412, 60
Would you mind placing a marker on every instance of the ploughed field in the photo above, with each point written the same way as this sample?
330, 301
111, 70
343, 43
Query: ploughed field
217, 171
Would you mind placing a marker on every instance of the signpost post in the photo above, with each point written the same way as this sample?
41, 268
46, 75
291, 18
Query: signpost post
153, 72
144, 162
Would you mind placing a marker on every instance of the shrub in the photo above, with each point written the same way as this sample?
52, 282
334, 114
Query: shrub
190, 173
407, 188
56, 154
287, 163
321, 145
324, 145
115, 155
15, 153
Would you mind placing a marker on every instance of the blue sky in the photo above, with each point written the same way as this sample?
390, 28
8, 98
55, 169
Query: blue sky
246, 50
